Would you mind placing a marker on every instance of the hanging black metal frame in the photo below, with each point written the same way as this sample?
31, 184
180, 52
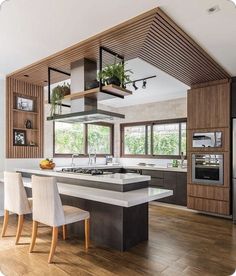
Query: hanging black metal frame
49, 83
101, 50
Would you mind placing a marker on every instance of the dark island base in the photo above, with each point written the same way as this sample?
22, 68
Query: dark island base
113, 226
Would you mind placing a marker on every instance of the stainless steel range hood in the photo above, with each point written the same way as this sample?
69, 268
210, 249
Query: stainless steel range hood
84, 109
95, 115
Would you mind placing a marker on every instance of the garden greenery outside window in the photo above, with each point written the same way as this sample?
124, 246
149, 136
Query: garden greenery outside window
80, 138
154, 139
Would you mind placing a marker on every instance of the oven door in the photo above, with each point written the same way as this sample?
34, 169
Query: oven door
206, 173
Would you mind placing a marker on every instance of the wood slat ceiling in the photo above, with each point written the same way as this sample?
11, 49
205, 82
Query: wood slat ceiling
152, 36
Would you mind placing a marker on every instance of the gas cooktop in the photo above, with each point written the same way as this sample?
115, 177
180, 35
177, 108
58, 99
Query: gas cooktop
83, 171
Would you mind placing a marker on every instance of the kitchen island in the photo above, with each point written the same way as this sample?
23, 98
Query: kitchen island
119, 219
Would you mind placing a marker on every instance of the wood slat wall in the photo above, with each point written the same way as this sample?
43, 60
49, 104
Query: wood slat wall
209, 110
20, 88
152, 36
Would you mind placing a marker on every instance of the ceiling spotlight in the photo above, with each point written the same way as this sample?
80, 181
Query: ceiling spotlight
134, 86
144, 84
1, 2
233, 1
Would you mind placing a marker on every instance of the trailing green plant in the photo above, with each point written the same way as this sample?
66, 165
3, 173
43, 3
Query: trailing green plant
57, 95
115, 70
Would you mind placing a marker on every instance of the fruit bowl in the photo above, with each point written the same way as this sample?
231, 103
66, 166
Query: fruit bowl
47, 164
50, 166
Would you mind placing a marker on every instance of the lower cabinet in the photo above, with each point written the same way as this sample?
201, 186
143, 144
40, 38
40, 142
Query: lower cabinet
176, 181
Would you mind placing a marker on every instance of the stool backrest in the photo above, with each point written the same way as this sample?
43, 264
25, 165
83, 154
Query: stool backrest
47, 206
15, 198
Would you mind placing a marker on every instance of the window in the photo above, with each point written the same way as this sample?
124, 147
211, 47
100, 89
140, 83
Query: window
99, 139
154, 139
135, 140
79, 138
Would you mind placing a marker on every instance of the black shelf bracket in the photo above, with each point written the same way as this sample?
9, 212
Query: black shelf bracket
50, 69
101, 50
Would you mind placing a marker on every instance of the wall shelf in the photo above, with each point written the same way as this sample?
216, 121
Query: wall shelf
27, 129
25, 111
114, 91
16, 119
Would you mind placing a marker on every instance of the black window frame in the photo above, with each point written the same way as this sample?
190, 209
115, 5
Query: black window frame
151, 124
86, 154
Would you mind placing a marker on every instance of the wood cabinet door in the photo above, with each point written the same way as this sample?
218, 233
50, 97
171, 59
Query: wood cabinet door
209, 107
181, 189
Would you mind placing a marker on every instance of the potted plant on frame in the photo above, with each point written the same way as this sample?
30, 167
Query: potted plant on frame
115, 74
58, 94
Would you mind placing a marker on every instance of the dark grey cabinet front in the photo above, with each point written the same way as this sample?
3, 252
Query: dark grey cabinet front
176, 181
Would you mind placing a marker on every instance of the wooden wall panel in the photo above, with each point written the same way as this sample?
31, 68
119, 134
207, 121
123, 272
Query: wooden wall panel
209, 110
208, 107
15, 119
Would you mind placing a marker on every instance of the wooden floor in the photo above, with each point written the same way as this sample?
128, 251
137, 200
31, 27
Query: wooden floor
181, 243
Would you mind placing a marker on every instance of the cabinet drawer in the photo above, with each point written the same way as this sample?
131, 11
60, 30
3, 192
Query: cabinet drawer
156, 182
153, 174
209, 205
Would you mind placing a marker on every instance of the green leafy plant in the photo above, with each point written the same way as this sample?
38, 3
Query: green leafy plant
113, 72
57, 95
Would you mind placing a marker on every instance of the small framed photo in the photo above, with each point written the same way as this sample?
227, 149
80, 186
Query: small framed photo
19, 137
24, 104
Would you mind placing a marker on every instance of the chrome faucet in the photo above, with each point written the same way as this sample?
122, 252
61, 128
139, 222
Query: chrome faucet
72, 159
182, 159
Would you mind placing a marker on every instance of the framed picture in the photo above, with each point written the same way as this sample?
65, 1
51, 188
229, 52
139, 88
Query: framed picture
24, 104
19, 137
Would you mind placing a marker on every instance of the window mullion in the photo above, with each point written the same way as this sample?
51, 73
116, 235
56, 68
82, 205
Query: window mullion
180, 138
151, 146
85, 139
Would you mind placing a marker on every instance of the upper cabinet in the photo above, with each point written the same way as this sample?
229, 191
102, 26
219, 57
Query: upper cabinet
208, 107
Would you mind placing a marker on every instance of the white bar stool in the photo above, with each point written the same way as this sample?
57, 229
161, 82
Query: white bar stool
15, 201
48, 209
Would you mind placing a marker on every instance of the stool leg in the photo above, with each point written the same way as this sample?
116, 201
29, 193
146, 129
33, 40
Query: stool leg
19, 227
53, 244
86, 231
5, 222
34, 235
64, 232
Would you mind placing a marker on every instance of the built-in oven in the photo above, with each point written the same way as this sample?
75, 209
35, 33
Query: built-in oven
208, 169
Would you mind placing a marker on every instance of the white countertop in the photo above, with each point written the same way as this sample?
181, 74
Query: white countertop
123, 199
116, 178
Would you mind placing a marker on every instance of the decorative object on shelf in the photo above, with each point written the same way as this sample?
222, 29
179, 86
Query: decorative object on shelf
91, 84
25, 104
175, 163
19, 137
32, 144
115, 74
58, 93
47, 164
28, 124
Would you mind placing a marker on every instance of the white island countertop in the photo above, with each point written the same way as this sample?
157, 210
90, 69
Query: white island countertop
122, 199
115, 178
